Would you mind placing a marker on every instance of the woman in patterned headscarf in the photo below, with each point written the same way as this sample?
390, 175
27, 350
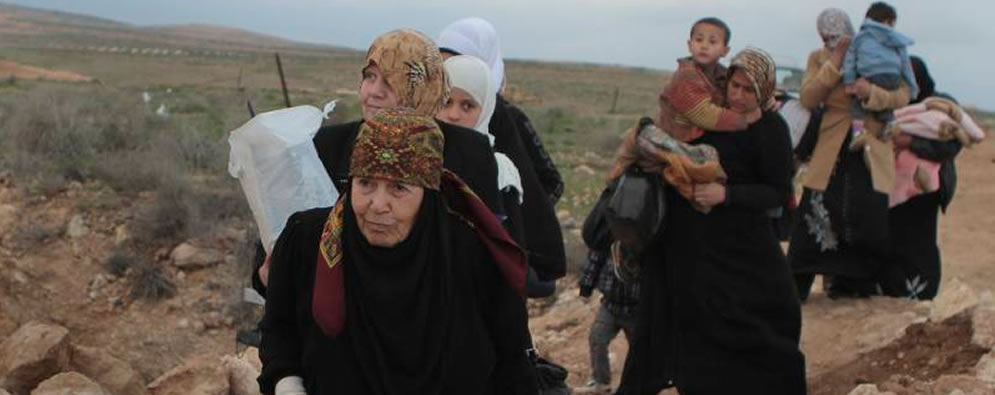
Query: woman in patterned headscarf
404, 69
408, 285
719, 313
842, 227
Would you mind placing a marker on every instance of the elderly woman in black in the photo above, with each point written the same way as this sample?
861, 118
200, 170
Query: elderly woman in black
719, 313
408, 285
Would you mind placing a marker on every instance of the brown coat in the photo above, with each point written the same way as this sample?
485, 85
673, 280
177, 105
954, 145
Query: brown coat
822, 85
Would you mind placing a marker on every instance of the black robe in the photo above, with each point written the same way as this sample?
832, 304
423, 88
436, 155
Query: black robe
913, 268
548, 176
533, 222
466, 153
482, 349
842, 231
718, 310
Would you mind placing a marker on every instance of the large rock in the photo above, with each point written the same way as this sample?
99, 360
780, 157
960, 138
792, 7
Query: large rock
34, 352
70, 383
113, 374
954, 297
868, 389
188, 257
202, 376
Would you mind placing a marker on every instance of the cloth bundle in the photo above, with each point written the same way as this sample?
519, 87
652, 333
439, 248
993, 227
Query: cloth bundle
935, 119
681, 165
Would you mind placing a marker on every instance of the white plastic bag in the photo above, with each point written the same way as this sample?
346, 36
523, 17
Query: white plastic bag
274, 159
797, 117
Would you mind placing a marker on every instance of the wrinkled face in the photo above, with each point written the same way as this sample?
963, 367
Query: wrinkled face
460, 109
707, 44
375, 92
385, 210
740, 94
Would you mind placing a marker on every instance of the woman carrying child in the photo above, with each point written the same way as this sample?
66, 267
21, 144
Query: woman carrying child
718, 311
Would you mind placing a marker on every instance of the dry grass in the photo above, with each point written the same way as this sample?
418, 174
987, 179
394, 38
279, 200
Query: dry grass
182, 159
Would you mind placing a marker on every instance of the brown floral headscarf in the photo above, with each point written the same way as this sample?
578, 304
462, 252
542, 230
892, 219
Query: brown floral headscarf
760, 68
399, 145
412, 65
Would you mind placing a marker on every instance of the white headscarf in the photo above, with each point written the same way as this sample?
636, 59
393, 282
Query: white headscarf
834, 23
472, 75
475, 37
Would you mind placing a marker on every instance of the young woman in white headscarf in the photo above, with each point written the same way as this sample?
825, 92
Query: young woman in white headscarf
470, 104
514, 136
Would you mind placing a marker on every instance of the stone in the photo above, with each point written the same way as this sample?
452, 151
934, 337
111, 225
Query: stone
967, 384
121, 235
115, 375
585, 169
985, 369
76, 228
562, 215
69, 383
186, 256
983, 323
7, 217
201, 375
955, 297
34, 352
868, 389
241, 376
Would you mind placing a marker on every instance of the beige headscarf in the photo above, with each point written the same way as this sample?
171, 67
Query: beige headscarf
760, 68
412, 65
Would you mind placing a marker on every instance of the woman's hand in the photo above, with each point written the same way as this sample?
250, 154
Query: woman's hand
709, 195
838, 53
861, 89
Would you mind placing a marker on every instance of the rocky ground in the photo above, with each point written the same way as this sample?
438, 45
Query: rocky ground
71, 315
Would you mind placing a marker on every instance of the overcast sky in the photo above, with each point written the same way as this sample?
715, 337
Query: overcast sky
955, 37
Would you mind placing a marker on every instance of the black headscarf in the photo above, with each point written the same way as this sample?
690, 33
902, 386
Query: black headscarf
398, 294
927, 87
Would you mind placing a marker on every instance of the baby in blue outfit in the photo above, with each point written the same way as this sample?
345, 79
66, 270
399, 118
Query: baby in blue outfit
878, 54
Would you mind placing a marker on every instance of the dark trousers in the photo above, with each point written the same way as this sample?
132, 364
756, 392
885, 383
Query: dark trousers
604, 329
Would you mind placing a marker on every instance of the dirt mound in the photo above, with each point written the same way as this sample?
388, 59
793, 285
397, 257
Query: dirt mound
10, 69
926, 352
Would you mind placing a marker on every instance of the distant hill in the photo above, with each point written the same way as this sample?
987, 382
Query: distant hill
26, 27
